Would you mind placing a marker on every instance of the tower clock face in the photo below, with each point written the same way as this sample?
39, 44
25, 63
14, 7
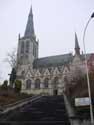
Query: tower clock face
24, 59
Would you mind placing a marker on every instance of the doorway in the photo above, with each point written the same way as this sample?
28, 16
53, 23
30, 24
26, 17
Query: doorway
55, 92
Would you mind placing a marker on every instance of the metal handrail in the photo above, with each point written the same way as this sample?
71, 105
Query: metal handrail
12, 106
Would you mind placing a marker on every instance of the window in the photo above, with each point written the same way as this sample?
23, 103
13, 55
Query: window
46, 83
56, 80
28, 84
27, 46
33, 50
22, 47
37, 84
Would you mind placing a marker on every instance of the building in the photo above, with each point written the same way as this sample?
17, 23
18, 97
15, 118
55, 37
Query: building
48, 75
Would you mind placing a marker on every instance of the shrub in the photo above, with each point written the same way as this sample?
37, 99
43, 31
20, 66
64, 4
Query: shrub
17, 86
4, 86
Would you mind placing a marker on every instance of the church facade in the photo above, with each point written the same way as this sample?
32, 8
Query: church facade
48, 75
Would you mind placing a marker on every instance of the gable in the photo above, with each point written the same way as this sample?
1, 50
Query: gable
37, 73
66, 70
56, 71
28, 75
46, 72
29, 72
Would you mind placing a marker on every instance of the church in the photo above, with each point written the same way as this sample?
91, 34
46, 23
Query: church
47, 75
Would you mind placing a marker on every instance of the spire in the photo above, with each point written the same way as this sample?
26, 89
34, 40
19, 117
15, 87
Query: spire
29, 32
77, 48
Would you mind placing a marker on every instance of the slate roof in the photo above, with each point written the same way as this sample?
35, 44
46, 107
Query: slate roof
30, 25
58, 60
52, 61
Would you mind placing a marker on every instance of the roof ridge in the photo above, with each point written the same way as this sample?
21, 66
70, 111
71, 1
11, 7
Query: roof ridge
55, 56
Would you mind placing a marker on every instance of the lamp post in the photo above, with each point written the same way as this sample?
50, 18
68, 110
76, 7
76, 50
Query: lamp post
87, 72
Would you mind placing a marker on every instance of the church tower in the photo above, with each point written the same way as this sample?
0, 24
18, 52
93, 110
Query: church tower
27, 46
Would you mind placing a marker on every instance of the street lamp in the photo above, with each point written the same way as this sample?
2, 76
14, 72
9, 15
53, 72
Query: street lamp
88, 80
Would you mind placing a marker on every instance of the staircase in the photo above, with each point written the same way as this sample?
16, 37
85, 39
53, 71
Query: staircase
47, 110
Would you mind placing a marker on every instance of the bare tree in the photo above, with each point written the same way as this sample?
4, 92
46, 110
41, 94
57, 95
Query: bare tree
11, 58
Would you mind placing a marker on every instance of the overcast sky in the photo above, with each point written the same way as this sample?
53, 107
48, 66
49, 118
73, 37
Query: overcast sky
55, 22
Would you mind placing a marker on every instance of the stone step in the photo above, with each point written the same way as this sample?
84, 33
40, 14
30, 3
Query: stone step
36, 123
48, 110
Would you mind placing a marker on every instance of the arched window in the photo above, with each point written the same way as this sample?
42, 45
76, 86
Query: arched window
56, 80
28, 84
46, 83
37, 84
27, 46
22, 47
33, 50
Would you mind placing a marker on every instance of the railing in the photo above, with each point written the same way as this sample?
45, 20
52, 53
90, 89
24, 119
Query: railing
18, 104
79, 121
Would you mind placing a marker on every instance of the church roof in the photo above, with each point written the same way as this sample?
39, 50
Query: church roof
58, 60
52, 61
